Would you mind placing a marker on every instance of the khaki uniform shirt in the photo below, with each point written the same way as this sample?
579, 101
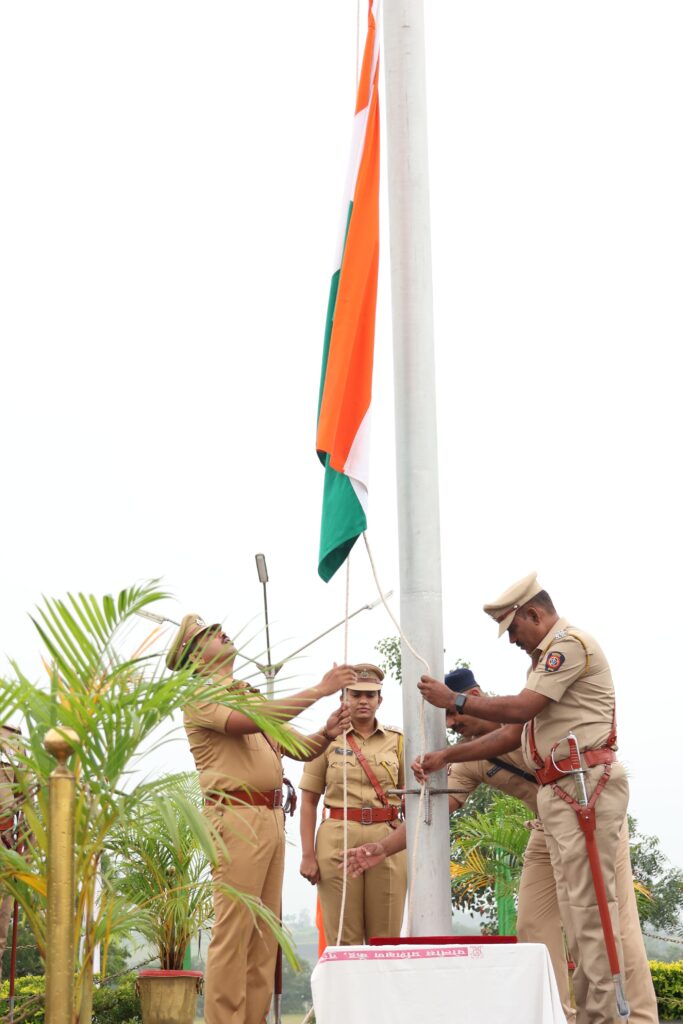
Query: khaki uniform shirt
383, 752
464, 778
227, 761
7, 800
573, 672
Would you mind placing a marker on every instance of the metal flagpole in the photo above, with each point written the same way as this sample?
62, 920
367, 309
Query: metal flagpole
416, 451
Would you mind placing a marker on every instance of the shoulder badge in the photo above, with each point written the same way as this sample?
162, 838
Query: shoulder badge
554, 661
560, 635
393, 728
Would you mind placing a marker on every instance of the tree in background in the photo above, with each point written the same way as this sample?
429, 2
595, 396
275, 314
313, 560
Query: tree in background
390, 649
296, 987
28, 957
660, 906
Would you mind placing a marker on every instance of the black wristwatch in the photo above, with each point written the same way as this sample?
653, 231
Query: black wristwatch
459, 703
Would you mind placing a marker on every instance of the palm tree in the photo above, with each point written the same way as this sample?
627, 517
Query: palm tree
158, 868
115, 700
488, 854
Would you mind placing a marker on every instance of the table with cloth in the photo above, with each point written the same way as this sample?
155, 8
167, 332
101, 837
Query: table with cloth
440, 984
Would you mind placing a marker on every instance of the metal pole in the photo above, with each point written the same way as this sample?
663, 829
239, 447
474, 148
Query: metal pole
416, 450
59, 981
270, 672
13, 959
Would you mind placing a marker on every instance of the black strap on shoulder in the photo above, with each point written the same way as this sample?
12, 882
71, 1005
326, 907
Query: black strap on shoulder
513, 769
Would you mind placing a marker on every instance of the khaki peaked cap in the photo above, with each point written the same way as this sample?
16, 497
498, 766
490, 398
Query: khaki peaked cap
369, 677
504, 607
189, 627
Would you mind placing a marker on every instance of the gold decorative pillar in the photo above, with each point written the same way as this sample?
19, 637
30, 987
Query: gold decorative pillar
59, 980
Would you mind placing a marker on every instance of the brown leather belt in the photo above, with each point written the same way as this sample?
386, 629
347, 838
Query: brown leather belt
272, 798
552, 772
365, 815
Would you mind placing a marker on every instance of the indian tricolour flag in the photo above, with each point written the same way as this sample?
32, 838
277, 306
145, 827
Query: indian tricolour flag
346, 380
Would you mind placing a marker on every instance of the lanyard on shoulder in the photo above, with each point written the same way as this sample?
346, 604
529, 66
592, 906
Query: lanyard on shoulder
374, 782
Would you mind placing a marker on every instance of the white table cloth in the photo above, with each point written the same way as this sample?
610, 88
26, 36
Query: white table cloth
455, 984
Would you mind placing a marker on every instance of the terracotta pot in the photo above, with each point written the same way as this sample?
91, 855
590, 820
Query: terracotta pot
169, 997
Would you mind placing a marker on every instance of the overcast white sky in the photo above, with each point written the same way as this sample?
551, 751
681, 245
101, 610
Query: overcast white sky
170, 183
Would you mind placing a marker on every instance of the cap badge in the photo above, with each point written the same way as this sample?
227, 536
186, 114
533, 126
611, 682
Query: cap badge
554, 661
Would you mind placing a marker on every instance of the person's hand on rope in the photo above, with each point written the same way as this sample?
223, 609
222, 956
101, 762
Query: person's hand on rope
361, 858
435, 693
338, 722
339, 677
309, 868
433, 761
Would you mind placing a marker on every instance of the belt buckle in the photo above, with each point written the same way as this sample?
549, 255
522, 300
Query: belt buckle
277, 798
366, 815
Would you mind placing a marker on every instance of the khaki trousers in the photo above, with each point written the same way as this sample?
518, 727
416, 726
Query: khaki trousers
539, 920
638, 978
538, 913
375, 900
6, 907
593, 985
240, 963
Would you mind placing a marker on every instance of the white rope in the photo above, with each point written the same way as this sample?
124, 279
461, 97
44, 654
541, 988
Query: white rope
345, 829
423, 738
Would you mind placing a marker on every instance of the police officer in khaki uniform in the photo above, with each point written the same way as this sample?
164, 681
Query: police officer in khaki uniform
7, 812
240, 773
374, 764
569, 688
539, 913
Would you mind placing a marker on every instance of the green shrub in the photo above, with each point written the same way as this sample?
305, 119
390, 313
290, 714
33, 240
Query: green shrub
116, 1004
29, 989
112, 1004
668, 983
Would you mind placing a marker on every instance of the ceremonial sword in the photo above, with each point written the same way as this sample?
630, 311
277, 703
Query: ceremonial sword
586, 816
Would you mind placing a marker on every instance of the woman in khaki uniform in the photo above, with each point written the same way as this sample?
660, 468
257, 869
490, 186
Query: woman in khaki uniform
240, 774
374, 765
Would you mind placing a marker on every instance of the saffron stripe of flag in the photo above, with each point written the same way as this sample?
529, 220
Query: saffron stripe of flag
343, 433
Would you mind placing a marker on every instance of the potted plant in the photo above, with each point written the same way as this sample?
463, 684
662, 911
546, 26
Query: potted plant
159, 864
161, 870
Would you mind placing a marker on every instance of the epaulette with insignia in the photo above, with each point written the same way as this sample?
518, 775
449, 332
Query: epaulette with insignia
392, 728
560, 635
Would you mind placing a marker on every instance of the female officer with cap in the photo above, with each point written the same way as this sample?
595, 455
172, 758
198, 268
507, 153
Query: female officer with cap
373, 755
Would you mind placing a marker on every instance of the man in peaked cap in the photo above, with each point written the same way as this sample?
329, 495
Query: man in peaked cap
240, 774
568, 689
373, 754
